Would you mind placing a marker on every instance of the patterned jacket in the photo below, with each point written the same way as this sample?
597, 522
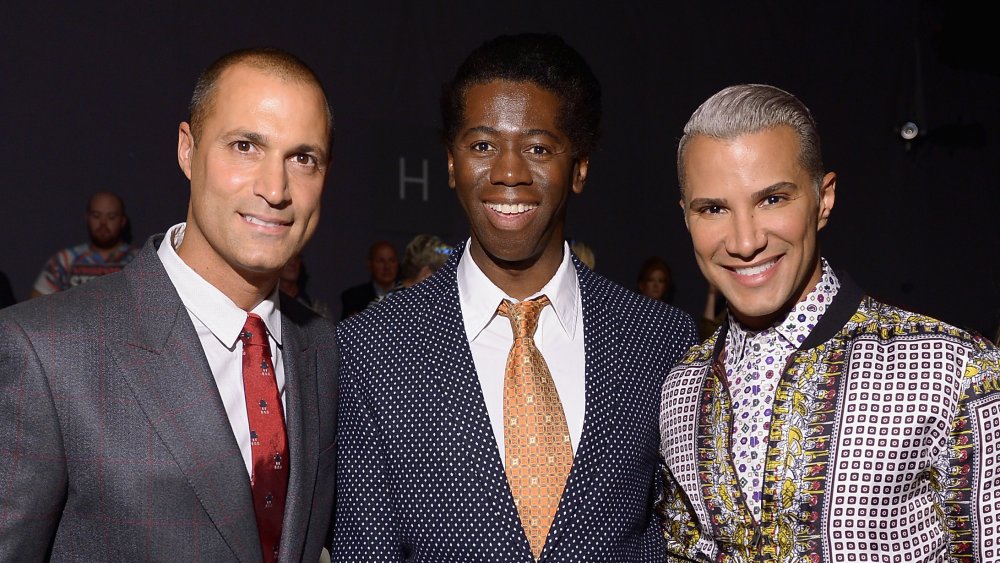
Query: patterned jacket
884, 446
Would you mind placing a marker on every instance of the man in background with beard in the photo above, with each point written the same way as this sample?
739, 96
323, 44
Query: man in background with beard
107, 252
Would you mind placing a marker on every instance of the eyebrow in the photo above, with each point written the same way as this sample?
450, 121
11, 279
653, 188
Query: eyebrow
492, 131
317, 151
706, 202
777, 187
252, 136
260, 139
757, 195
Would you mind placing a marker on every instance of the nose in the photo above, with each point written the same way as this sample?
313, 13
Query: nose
746, 237
510, 169
272, 182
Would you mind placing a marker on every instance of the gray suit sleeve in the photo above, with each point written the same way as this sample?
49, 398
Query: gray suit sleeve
33, 472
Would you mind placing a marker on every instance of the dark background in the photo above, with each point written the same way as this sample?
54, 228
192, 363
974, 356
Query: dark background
92, 94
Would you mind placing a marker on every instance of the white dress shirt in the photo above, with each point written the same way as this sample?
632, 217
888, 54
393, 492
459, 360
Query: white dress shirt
559, 337
219, 322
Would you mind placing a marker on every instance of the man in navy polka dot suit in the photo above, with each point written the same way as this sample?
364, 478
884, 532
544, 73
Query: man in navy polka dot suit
421, 442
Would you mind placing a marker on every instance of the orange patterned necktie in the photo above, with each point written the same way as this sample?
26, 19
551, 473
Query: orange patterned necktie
537, 449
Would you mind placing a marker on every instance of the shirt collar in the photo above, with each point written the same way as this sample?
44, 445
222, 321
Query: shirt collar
480, 297
207, 303
795, 327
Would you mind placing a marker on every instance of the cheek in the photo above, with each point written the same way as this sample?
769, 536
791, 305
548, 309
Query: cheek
704, 239
797, 230
468, 173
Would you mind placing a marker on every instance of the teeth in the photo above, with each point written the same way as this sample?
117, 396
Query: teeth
754, 270
511, 208
256, 221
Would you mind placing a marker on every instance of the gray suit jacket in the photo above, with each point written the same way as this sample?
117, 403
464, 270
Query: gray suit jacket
115, 442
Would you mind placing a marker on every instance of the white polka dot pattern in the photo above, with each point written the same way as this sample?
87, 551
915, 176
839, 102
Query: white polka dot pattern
419, 474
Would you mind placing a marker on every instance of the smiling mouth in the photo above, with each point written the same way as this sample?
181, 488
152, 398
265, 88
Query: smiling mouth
511, 208
264, 223
756, 270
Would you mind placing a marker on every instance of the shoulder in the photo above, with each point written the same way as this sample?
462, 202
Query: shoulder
933, 339
66, 256
410, 306
638, 312
107, 302
93, 304
888, 322
427, 309
304, 318
129, 252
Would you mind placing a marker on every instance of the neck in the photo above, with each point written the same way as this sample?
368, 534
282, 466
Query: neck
245, 293
290, 288
245, 289
105, 252
519, 279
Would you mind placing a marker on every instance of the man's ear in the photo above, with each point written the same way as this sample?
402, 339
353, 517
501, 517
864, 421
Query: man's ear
580, 170
451, 169
827, 197
185, 147
684, 213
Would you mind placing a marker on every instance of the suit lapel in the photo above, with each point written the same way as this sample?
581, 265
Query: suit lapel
603, 374
302, 426
162, 361
471, 418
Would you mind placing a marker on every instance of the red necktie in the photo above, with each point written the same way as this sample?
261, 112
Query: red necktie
268, 444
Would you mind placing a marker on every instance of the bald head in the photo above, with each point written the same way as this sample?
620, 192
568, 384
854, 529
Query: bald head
273, 62
105, 220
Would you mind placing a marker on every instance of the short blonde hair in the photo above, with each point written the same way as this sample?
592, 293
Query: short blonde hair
424, 250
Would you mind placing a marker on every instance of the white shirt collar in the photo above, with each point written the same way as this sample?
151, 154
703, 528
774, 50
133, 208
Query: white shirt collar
207, 303
480, 297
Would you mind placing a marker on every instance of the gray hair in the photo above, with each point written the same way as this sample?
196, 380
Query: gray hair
744, 109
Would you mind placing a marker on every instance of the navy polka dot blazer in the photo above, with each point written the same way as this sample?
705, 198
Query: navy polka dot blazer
419, 474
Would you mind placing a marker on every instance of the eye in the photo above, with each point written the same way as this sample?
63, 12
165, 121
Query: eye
773, 199
538, 149
712, 209
243, 146
305, 159
481, 146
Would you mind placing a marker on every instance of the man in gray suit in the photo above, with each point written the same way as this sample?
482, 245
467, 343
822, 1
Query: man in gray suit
180, 410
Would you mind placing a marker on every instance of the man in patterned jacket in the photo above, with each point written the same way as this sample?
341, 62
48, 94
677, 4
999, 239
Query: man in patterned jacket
816, 424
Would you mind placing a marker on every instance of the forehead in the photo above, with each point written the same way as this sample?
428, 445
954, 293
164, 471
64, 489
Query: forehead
511, 104
753, 161
243, 92
383, 251
105, 203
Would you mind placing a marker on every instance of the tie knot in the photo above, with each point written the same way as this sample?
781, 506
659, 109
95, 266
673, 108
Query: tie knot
255, 332
523, 315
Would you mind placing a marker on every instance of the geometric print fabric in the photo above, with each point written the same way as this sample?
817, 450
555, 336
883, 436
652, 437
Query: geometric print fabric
754, 362
538, 451
885, 446
268, 441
